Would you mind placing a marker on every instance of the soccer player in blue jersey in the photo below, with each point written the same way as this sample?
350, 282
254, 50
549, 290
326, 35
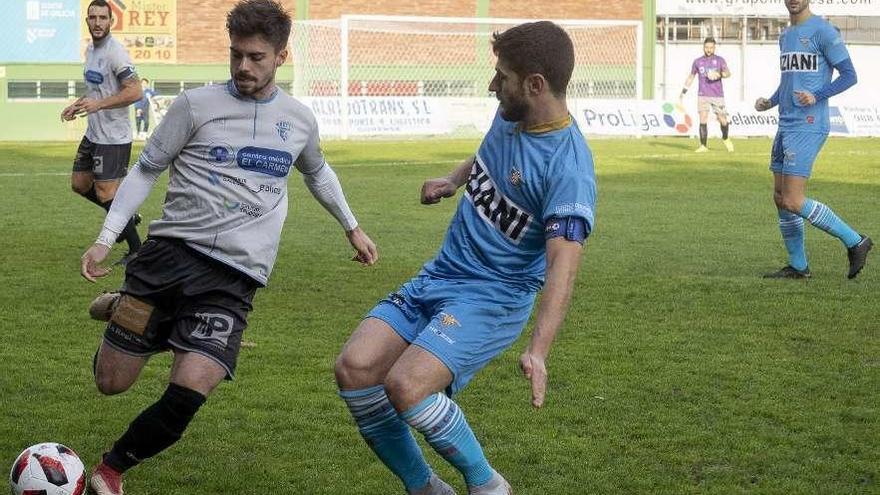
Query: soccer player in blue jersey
525, 212
810, 49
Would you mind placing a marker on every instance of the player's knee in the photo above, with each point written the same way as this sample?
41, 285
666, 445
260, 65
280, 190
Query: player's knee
353, 371
80, 187
779, 199
109, 384
402, 391
789, 203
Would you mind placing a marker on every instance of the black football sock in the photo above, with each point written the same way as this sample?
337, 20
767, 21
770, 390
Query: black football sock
156, 428
92, 196
704, 134
724, 130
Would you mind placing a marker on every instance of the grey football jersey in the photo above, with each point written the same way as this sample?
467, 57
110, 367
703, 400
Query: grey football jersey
106, 66
229, 158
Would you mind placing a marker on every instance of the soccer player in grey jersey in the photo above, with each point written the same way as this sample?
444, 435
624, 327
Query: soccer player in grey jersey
111, 86
229, 149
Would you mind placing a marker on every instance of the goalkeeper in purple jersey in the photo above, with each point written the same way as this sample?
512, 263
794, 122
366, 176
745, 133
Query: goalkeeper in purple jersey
811, 48
710, 69
525, 212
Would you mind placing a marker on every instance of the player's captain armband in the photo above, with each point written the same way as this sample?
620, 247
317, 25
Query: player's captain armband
125, 73
572, 228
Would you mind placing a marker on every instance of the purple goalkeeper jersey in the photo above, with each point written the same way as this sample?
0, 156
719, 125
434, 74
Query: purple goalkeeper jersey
701, 67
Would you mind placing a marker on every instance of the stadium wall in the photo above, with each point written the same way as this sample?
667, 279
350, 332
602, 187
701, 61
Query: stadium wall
201, 34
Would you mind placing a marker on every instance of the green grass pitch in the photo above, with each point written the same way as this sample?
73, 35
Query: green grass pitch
679, 370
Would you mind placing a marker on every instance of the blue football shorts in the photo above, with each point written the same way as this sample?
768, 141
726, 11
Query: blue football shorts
464, 323
795, 152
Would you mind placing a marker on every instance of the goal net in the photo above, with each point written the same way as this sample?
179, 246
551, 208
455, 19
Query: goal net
393, 75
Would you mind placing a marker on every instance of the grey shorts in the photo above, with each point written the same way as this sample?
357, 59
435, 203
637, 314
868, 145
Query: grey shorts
715, 104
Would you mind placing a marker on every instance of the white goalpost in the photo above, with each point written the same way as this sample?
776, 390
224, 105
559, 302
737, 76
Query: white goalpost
397, 75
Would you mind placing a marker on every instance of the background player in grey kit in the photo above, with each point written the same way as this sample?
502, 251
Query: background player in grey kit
230, 148
112, 85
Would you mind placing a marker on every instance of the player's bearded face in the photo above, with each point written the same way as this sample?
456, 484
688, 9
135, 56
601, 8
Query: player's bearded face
709, 49
98, 20
252, 65
511, 94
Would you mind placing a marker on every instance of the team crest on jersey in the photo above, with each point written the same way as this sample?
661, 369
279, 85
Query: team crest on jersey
804, 41
284, 127
516, 177
495, 208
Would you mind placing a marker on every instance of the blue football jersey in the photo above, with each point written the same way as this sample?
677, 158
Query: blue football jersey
518, 181
808, 53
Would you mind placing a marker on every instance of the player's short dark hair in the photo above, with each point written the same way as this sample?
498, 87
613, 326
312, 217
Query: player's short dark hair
709, 39
266, 18
100, 3
537, 48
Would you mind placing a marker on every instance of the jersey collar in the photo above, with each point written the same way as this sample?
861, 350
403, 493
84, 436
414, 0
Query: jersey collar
233, 90
545, 127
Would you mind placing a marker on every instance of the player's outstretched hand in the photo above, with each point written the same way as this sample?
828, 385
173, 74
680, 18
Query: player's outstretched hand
91, 260
762, 104
805, 98
433, 190
534, 369
367, 253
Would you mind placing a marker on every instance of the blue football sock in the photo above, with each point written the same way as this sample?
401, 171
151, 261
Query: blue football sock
388, 435
822, 217
442, 423
792, 228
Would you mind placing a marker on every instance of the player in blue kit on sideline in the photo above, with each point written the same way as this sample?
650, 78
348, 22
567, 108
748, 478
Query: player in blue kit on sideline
811, 48
525, 212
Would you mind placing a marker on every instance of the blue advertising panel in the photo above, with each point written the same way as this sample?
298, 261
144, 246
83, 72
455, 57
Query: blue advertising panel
39, 31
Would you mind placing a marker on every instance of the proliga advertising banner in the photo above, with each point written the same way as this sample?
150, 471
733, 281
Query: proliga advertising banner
376, 116
633, 118
667, 118
413, 116
764, 8
147, 28
38, 30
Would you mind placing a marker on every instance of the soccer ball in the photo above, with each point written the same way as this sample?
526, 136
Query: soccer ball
48, 469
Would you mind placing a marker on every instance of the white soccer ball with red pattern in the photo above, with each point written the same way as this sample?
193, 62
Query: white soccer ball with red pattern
48, 469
